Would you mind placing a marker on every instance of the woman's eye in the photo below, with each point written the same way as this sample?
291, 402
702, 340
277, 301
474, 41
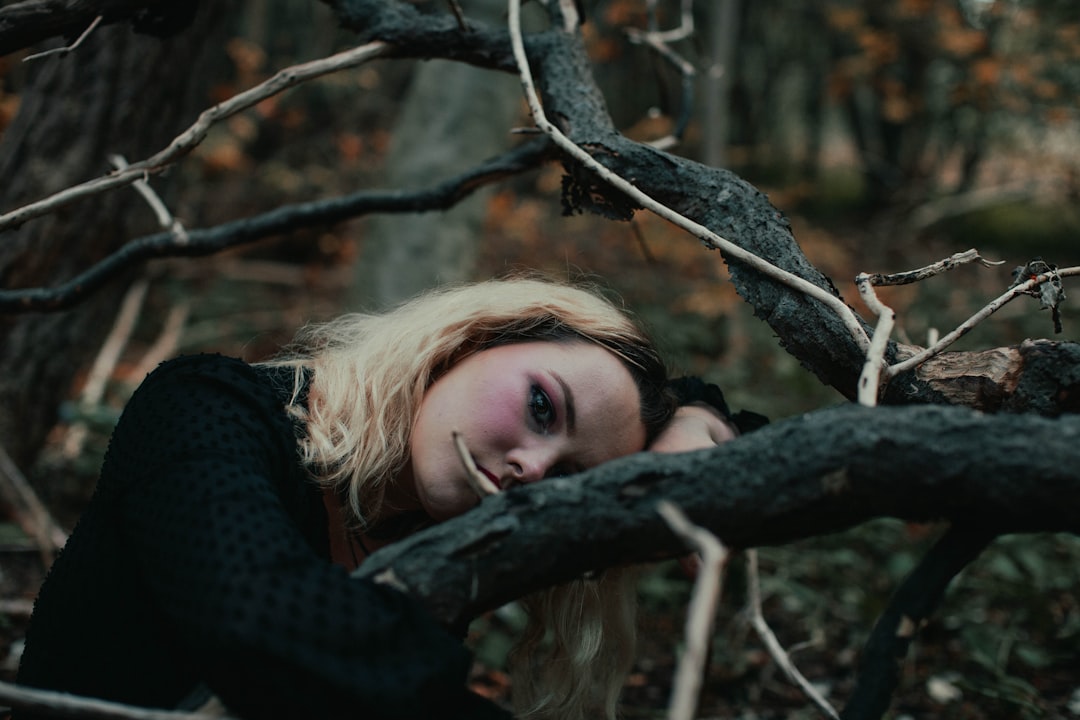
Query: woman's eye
540, 407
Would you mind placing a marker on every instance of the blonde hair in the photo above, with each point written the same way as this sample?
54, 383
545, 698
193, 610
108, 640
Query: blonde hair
577, 648
368, 377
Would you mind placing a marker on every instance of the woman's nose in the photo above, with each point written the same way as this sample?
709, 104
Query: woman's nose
530, 465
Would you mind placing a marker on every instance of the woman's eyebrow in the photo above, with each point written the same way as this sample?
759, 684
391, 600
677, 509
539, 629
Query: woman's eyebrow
568, 397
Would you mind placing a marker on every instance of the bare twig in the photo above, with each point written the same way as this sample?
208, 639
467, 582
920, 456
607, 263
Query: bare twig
31, 513
478, 481
686, 23
19, 607
870, 377
757, 619
965, 327
730, 249
105, 362
190, 138
67, 48
166, 344
440, 196
455, 8
164, 217
57, 703
905, 278
910, 606
656, 41
701, 613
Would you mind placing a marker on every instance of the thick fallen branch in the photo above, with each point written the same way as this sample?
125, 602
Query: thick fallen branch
27, 23
910, 607
806, 476
526, 156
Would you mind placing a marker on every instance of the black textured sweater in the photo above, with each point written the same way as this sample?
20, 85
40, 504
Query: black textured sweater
203, 560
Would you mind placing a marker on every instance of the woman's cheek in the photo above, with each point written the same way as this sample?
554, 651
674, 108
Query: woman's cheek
498, 420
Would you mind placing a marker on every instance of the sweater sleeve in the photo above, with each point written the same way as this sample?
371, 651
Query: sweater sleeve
201, 461
691, 390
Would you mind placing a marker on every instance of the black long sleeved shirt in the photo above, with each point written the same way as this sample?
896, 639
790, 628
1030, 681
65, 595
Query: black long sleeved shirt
203, 559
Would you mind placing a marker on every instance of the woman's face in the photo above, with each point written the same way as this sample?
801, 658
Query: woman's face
525, 411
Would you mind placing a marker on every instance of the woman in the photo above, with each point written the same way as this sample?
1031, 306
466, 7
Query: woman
234, 499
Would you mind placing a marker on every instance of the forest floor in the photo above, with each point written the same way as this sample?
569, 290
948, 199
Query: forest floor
1005, 644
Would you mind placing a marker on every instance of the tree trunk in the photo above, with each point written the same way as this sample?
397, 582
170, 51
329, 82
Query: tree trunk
118, 92
453, 117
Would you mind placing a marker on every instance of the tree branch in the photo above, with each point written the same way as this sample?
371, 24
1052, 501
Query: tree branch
911, 605
526, 156
807, 476
190, 138
23, 24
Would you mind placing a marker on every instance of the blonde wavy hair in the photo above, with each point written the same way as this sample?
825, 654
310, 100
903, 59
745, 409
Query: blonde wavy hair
367, 377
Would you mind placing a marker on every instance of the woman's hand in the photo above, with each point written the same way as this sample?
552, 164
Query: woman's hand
692, 428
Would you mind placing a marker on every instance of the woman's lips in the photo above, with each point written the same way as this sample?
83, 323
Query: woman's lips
490, 476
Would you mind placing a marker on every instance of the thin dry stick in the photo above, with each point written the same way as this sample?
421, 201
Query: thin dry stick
31, 513
164, 217
659, 42
106, 360
757, 619
870, 377
846, 314
967, 325
686, 23
478, 481
190, 138
166, 344
701, 613
67, 48
58, 704
455, 8
905, 278
19, 607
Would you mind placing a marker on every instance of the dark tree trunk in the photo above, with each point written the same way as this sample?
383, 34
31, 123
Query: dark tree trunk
118, 92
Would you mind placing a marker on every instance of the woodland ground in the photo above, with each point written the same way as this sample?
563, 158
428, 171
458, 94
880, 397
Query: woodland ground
1006, 643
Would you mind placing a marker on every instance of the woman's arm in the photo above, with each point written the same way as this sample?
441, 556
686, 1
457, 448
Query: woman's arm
694, 427
221, 535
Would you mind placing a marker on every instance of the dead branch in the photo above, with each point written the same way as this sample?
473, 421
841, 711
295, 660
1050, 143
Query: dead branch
712, 239
807, 476
772, 644
908, 610
26, 698
700, 614
286, 219
660, 42
105, 363
30, 512
190, 138
67, 48
23, 24
965, 327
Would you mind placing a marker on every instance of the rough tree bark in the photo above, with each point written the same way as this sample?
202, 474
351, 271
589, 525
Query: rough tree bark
122, 93
805, 476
